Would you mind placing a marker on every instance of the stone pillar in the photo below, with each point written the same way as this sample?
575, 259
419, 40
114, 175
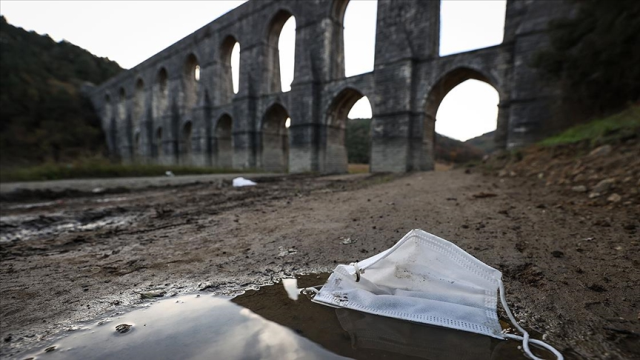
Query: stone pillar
406, 31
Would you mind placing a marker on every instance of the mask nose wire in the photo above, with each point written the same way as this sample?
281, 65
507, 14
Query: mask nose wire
525, 335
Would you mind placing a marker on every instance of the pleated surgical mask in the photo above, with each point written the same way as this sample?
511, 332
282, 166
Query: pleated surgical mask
426, 279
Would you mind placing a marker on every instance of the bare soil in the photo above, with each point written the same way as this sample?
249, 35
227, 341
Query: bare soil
571, 270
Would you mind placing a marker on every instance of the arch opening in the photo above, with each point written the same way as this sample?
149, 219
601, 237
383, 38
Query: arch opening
461, 106
122, 98
161, 94
275, 139
136, 143
470, 25
190, 81
159, 151
186, 142
281, 53
107, 108
348, 133
223, 136
357, 40
138, 104
230, 62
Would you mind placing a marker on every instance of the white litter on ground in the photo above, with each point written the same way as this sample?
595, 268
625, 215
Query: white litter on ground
240, 182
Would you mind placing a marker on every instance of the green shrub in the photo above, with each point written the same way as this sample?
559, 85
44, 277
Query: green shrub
620, 125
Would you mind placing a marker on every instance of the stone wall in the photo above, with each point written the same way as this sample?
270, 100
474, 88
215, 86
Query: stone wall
157, 113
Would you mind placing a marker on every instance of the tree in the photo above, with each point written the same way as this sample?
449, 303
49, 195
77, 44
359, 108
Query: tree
595, 55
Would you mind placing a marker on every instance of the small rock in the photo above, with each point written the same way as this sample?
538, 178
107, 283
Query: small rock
482, 195
503, 173
601, 151
557, 254
594, 195
604, 185
7, 338
151, 294
602, 222
123, 328
579, 188
596, 287
614, 198
346, 241
50, 349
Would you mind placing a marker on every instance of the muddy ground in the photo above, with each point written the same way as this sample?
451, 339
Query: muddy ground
570, 270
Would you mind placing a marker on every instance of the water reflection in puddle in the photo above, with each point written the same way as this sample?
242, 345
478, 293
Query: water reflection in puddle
268, 324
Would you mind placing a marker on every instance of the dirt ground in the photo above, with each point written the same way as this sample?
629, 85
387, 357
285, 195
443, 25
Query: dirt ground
571, 270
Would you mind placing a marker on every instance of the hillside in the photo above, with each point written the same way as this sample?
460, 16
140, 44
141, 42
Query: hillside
484, 142
596, 162
44, 117
447, 149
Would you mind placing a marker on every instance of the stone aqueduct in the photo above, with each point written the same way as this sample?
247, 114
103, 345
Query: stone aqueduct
158, 113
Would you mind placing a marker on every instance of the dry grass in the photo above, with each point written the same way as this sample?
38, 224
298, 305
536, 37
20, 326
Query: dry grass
358, 168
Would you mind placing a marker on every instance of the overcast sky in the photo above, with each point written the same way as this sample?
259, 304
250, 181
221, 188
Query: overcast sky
131, 31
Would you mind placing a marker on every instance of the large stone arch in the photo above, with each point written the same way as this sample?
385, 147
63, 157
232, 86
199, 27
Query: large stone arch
107, 112
158, 141
272, 59
274, 139
138, 103
436, 94
186, 142
160, 96
190, 83
225, 78
406, 75
223, 142
336, 14
161, 115
333, 158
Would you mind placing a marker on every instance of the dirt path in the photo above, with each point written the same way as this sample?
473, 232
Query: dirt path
131, 183
570, 272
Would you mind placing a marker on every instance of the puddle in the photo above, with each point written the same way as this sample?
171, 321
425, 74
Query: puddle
266, 324
31, 205
24, 227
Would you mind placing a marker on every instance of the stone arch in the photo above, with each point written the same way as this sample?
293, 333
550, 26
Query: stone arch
226, 76
436, 94
273, 54
108, 109
223, 136
338, 11
186, 136
190, 81
275, 139
113, 136
334, 159
158, 142
136, 143
122, 103
138, 103
477, 31
161, 93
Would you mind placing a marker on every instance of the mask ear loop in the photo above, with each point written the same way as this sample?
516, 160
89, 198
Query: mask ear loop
525, 335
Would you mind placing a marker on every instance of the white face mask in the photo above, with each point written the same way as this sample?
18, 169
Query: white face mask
425, 279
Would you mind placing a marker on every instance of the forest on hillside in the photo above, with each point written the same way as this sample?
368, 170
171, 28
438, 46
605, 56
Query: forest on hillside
448, 150
44, 117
